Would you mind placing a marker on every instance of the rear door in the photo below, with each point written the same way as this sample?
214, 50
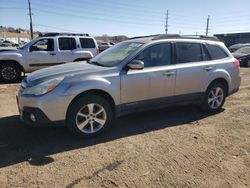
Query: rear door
66, 48
193, 68
88, 44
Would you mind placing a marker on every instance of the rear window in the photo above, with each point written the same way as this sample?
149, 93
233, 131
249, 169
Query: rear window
216, 52
188, 52
87, 43
67, 43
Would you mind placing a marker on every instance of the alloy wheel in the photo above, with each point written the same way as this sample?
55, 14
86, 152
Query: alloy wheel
215, 98
91, 118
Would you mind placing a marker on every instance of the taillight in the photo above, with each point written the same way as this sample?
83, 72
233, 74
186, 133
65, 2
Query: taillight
236, 63
97, 51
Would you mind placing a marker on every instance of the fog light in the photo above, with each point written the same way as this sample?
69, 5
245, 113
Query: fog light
32, 117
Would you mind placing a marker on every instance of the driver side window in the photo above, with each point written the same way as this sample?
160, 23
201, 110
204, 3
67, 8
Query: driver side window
157, 55
43, 45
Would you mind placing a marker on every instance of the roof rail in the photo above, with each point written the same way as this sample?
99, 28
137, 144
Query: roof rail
146, 36
61, 34
166, 36
202, 37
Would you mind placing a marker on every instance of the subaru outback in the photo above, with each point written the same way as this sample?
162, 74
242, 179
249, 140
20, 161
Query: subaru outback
135, 75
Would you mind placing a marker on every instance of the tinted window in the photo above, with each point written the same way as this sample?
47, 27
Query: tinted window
67, 43
157, 55
244, 50
43, 45
87, 43
216, 52
188, 52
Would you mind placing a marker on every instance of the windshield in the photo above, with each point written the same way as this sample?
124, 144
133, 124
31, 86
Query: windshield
245, 50
114, 55
26, 44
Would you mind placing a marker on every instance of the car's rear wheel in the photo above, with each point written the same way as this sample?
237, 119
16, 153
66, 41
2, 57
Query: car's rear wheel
89, 115
248, 63
10, 72
214, 97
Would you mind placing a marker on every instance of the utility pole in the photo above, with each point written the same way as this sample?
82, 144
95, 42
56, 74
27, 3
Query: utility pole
166, 30
31, 26
207, 28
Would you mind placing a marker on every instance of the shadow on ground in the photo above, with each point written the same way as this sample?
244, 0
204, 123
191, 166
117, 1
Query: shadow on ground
20, 143
16, 82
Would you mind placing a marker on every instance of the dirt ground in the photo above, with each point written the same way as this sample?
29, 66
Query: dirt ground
174, 147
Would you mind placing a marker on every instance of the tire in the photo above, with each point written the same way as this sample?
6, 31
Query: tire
79, 117
248, 63
214, 97
10, 72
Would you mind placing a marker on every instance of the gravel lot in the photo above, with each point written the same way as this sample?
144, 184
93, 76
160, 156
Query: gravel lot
175, 147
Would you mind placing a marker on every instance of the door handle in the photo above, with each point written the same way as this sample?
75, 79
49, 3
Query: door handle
168, 73
52, 54
208, 68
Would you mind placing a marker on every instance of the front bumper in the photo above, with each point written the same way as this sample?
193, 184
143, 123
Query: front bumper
40, 118
47, 109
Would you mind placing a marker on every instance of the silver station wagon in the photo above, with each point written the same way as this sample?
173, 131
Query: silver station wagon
135, 75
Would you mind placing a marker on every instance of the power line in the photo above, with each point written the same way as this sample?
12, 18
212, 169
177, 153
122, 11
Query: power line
13, 8
96, 18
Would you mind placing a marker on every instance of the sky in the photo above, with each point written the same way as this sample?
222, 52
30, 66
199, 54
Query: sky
128, 17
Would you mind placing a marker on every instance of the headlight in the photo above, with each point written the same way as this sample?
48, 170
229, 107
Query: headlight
43, 87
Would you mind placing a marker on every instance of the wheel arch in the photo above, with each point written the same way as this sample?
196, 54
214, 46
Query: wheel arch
222, 81
97, 92
14, 62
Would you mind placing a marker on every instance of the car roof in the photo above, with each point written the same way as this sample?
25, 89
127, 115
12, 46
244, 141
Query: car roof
185, 38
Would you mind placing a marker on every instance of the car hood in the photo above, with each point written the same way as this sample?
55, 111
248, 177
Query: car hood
69, 69
8, 50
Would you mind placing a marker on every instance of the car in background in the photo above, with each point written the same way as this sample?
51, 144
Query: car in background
237, 46
243, 55
132, 76
105, 45
44, 51
7, 43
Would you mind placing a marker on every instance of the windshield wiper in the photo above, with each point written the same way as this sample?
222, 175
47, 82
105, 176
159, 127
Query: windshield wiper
95, 63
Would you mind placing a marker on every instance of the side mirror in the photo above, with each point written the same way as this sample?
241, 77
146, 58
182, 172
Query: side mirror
136, 65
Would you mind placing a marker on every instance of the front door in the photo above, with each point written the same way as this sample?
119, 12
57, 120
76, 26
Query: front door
42, 54
155, 84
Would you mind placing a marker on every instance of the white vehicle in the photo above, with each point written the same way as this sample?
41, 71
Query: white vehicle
45, 51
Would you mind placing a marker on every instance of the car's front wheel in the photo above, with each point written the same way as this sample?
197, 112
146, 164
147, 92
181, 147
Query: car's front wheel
10, 72
89, 115
214, 97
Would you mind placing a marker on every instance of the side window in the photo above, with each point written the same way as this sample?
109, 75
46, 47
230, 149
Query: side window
216, 52
87, 43
188, 52
43, 45
67, 43
157, 55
